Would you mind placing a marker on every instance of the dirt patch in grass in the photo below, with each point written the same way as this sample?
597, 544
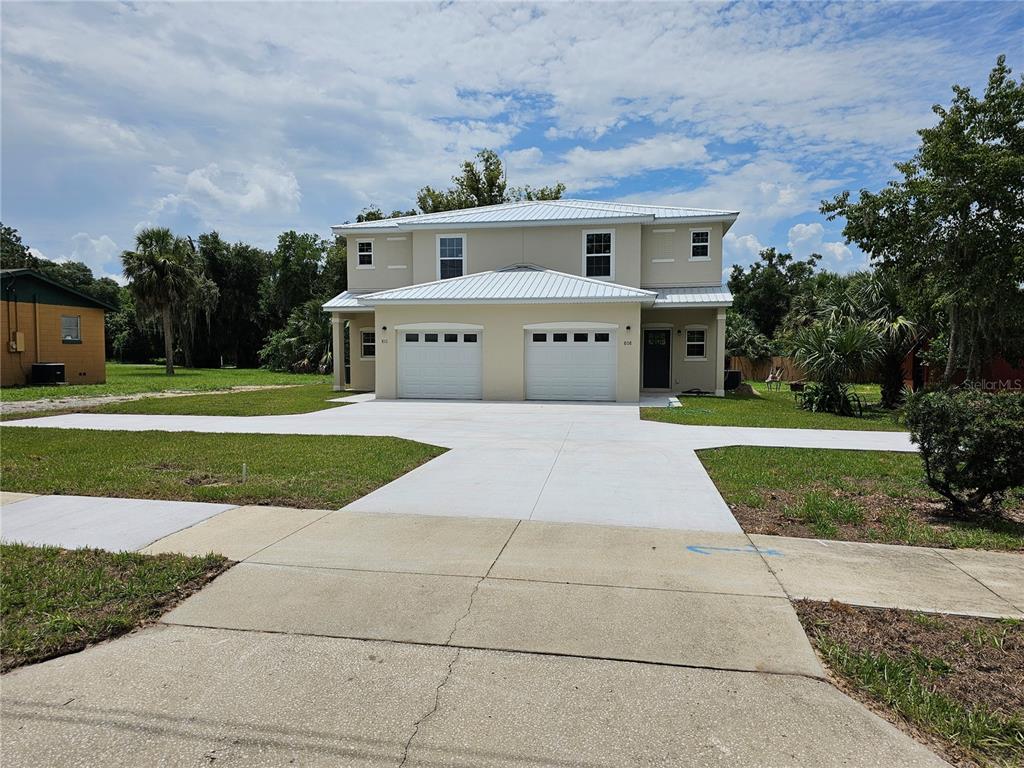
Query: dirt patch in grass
827, 513
956, 682
57, 601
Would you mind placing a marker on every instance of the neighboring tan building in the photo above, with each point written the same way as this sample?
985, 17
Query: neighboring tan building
537, 300
43, 321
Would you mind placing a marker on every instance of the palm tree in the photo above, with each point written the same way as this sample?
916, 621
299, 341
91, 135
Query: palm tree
880, 301
164, 278
833, 351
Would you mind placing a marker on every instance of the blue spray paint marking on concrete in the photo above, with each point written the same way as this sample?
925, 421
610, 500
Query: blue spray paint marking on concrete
701, 549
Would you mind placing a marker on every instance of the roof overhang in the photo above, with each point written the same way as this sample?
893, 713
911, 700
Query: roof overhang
383, 227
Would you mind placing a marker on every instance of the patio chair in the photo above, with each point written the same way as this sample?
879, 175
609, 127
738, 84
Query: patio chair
774, 379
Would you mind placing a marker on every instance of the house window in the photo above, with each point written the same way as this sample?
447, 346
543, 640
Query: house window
700, 243
71, 329
364, 254
451, 256
367, 345
599, 254
696, 343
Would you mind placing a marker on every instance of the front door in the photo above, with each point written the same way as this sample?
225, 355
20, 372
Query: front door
657, 358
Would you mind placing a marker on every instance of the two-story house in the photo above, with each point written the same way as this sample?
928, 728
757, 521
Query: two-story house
537, 300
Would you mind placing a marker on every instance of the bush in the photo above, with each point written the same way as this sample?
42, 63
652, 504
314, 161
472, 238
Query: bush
304, 345
971, 443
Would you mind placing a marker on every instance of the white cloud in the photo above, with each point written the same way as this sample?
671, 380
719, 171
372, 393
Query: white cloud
740, 249
101, 254
805, 235
214, 192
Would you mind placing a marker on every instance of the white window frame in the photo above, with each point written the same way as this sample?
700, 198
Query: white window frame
611, 260
465, 254
362, 343
700, 258
686, 343
77, 338
372, 263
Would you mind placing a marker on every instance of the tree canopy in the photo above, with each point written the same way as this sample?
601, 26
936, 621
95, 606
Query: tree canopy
952, 225
764, 292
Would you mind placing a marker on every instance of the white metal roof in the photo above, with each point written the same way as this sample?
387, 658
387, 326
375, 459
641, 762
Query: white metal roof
540, 211
519, 284
344, 300
703, 296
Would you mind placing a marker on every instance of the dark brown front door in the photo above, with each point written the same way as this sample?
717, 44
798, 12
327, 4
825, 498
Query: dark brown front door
657, 358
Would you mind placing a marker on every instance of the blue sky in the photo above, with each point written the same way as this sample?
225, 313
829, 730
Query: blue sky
256, 118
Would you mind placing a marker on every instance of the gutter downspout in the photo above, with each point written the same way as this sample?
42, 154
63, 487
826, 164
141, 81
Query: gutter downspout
35, 324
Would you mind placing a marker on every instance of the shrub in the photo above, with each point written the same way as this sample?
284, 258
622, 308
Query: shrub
832, 352
971, 443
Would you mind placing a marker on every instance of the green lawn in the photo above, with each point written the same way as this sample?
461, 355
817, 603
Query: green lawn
851, 495
311, 471
771, 409
259, 402
957, 678
133, 379
57, 601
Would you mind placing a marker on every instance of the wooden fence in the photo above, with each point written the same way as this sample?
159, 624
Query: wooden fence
757, 370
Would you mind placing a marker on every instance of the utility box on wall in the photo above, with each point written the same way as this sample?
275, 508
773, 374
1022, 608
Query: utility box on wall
17, 342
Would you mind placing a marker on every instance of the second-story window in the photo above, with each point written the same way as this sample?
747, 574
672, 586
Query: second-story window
364, 254
598, 254
700, 244
451, 256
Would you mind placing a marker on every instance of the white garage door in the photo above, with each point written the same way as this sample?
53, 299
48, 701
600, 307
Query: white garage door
440, 364
570, 365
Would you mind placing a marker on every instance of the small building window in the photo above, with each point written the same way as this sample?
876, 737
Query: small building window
598, 254
367, 345
451, 256
364, 254
71, 329
696, 343
700, 243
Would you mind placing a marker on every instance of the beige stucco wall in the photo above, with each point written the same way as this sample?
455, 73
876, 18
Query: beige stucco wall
659, 243
392, 262
408, 258
707, 375
503, 341
361, 371
559, 248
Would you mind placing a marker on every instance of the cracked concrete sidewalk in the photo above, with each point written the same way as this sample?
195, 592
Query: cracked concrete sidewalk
387, 640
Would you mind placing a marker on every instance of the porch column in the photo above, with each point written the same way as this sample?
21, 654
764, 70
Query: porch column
338, 350
720, 353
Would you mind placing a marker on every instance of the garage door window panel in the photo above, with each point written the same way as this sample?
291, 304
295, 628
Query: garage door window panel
430, 337
440, 366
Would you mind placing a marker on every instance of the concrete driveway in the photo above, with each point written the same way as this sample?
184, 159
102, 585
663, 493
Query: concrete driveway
558, 462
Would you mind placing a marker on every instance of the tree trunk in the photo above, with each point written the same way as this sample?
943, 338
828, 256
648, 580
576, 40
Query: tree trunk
168, 340
954, 338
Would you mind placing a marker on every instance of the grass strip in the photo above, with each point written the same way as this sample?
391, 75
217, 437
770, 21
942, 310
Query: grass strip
310, 471
55, 601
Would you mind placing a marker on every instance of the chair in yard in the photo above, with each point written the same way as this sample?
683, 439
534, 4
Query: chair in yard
774, 379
